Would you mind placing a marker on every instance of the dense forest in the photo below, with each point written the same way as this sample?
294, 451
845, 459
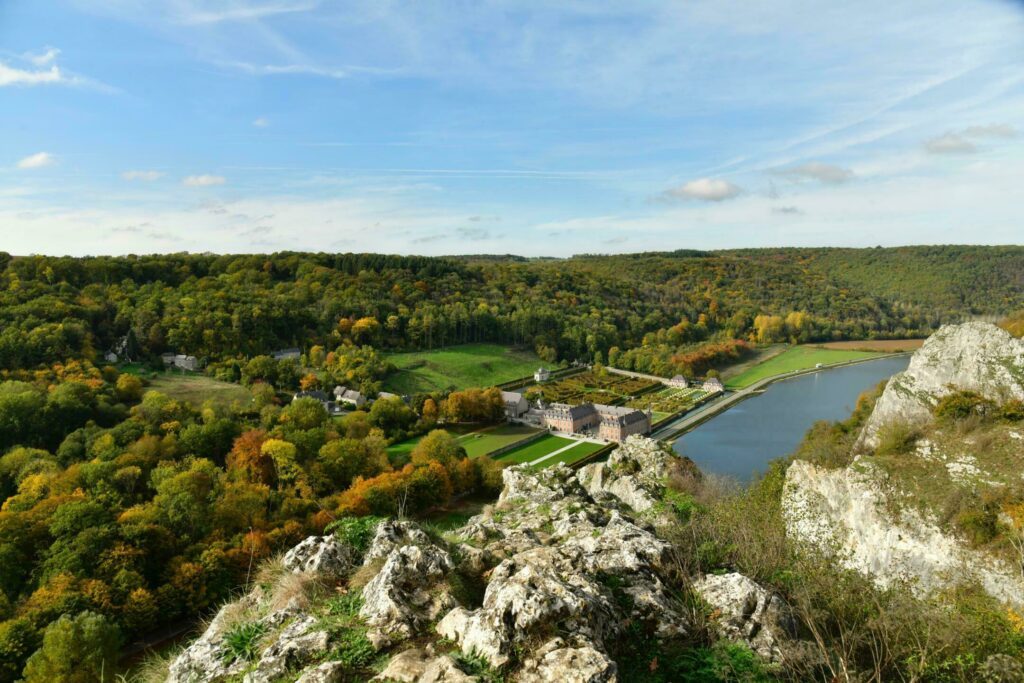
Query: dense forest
223, 307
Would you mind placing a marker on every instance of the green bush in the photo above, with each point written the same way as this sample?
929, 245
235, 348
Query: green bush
962, 404
356, 531
1012, 410
242, 642
897, 438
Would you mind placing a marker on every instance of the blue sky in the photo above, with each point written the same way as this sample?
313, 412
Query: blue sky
536, 128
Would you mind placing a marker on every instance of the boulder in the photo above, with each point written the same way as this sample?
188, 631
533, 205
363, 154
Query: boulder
296, 645
328, 672
743, 610
322, 554
408, 592
556, 661
635, 474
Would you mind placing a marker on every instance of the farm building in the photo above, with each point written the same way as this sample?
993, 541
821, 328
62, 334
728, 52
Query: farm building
541, 375
285, 354
678, 382
349, 396
516, 404
613, 423
712, 385
180, 361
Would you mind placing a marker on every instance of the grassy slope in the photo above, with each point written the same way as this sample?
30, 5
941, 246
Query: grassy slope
476, 443
198, 388
796, 358
578, 452
535, 450
459, 367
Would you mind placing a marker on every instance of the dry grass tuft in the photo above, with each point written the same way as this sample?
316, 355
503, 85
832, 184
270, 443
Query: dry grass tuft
365, 574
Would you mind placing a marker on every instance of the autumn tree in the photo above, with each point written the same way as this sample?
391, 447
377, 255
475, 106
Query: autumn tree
78, 649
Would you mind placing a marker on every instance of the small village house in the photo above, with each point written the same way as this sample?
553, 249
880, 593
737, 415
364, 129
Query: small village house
541, 375
678, 382
516, 404
712, 385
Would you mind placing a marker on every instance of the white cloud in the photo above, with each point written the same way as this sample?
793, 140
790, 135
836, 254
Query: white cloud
950, 143
261, 122
12, 76
815, 170
995, 130
705, 189
141, 175
192, 13
44, 58
38, 160
204, 180
40, 68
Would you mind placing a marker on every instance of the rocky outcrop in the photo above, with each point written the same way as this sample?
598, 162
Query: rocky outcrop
549, 583
744, 610
976, 356
845, 511
634, 475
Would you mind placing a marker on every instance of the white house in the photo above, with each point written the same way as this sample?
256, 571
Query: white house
516, 404
678, 382
542, 375
349, 396
712, 385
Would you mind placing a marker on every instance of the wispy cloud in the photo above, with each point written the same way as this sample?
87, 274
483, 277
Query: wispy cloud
203, 180
41, 69
38, 160
705, 189
142, 175
261, 122
191, 12
995, 130
950, 143
815, 170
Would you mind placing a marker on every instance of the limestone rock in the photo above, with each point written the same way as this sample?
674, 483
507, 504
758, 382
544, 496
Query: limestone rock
322, 554
407, 593
297, 644
976, 356
421, 665
203, 661
845, 511
555, 661
328, 672
394, 533
635, 474
746, 611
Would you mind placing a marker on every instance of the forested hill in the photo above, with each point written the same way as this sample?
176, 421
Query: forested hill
219, 306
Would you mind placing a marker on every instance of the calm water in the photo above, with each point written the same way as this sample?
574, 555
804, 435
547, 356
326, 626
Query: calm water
741, 441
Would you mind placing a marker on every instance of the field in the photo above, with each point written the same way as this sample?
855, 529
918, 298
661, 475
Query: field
591, 387
796, 358
568, 451
459, 367
197, 389
476, 442
887, 345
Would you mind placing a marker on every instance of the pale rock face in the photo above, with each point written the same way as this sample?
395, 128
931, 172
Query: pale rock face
322, 554
556, 662
976, 356
748, 612
634, 474
408, 592
564, 558
392, 534
844, 511
328, 672
297, 644
202, 661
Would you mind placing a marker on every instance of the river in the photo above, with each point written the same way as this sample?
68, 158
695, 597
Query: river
742, 440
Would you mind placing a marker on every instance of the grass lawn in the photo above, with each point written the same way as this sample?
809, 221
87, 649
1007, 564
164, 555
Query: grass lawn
537, 449
577, 452
196, 389
477, 442
459, 367
795, 358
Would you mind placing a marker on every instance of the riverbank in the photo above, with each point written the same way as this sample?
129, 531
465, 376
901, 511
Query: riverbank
677, 428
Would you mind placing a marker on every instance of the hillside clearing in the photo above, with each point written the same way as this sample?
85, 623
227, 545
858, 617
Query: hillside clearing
459, 367
197, 389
